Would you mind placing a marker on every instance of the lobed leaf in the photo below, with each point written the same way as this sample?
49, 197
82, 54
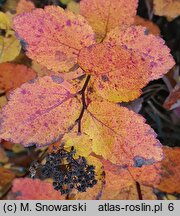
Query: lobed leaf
120, 135
34, 189
53, 37
39, 112
105, 15
151, 48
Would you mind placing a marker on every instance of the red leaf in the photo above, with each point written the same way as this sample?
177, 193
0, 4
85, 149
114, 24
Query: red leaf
13, 75
29, 189
39, 112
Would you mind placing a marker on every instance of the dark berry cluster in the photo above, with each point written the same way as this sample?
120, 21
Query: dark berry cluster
69, 173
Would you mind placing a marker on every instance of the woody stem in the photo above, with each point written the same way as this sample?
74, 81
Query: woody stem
138, 187
84, 105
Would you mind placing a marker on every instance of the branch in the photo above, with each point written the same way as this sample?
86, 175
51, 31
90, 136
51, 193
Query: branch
138, 187
84, 105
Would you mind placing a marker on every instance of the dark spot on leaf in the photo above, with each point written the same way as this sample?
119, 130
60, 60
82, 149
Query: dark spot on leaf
46, 124
23, 91
23, 43
124, 46
124, 166
146, 32
68, 23
140, 161
81, 77
70, 128
153, 64
60, 56
32, 81
104, 78
57, 79
18, 193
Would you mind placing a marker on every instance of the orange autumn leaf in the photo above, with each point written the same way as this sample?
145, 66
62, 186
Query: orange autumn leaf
119, 184
34, 189
6, 177
130, 193
119, 74
152, 27
105, 15
169, 8
170, 177
24, 6
54, 147
173, 101
70, 33
3, 156
147, 175
41, 112
13, 75
120, 135
7, 145
151, 48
